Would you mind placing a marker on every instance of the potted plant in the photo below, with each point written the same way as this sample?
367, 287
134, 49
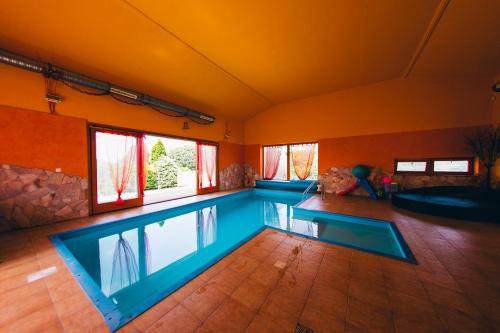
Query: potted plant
485, 144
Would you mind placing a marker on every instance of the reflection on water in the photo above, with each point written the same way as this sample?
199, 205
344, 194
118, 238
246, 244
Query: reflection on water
278, 215
126, 257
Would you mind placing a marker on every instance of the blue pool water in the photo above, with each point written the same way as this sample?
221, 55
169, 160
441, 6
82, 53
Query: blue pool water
127, 266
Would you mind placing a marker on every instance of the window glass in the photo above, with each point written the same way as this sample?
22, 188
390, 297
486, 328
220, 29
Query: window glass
411, 166
459, 166
314, 168
281, 173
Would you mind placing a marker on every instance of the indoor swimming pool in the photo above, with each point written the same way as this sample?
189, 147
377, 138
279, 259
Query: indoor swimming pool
127, 266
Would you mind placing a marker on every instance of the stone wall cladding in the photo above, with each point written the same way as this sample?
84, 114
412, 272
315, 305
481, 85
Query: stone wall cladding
415, 181
231, 177
338, 178
31, 197
250, 176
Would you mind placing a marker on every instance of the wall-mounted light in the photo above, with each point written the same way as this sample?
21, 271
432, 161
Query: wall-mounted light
185, 125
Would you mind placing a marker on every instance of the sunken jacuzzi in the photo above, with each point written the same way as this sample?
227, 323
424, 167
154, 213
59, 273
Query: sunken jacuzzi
459, 202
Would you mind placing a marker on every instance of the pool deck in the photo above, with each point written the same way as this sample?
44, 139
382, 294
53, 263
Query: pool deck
454, 288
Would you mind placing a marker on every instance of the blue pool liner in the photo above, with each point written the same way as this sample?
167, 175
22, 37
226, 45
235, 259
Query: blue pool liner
115, 319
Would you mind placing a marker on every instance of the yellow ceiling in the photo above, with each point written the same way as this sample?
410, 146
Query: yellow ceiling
237, 58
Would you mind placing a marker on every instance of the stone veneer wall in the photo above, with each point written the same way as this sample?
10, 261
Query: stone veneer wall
414, 181
250, 176
338, 178
32, 197
231, 177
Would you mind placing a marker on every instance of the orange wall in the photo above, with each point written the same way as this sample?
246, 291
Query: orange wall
40, 140
22, 89
393, 106
253, 157
230, 153
380, 150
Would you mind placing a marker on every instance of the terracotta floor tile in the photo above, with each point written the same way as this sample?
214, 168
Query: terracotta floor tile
328, 301
321, 323
71, 304
27, 267
231, 316
263, 323
203, 301
408, 323
282, 305
85, 320
410, 305
368, 317
66, 289
187, 289
451, 298
369, 293
227, 281
457, 321
177, 320
244, 265
407, 283
267, 274
251, 294
42, 320
150, 316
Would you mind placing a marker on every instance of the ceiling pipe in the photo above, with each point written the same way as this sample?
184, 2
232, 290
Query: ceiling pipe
61, 74
443, 4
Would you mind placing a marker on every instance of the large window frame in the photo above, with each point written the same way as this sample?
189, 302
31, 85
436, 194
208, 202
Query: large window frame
97, 208
288, 158
429, 170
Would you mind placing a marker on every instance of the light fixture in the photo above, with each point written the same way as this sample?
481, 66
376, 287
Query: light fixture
185, 126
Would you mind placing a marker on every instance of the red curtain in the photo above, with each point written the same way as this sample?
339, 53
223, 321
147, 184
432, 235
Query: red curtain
142, 162
207, 162
121, 158
302, 159
272, 160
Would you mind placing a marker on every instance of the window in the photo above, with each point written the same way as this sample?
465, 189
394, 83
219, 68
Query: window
458, 166
291, 162
132, 168
410, 166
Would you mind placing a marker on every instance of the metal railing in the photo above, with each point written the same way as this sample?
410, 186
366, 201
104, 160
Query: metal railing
308, 189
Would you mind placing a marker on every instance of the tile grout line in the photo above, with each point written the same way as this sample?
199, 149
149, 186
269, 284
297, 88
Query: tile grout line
46, 286
312, 284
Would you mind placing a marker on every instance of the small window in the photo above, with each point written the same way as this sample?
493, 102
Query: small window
411, 166
458, 166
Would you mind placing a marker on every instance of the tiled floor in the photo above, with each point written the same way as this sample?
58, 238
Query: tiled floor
328, 288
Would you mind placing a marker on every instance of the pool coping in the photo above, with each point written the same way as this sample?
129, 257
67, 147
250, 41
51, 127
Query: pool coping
115, 319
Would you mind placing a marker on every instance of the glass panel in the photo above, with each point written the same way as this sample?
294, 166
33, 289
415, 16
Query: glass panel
207, 166
118, 152
314, 167
170, 168
451, 166
411, 166
281, 174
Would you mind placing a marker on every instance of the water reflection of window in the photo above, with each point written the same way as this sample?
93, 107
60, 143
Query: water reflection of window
172, 240
118, 259
276, 214
207, 225
303, 227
